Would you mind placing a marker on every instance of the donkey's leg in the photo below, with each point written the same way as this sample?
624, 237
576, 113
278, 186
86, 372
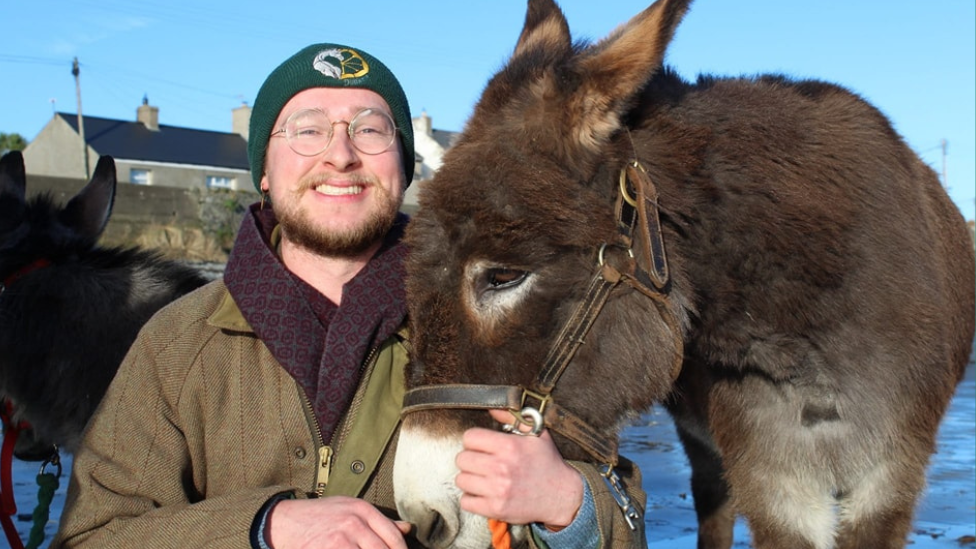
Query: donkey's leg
877, 512
774, 462
783, 508
886, 529
713, 506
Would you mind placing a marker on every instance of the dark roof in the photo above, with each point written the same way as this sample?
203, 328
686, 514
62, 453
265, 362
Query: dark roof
127, 140
445, 138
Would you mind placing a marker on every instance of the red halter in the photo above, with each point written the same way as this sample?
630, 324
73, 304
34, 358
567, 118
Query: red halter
11, 430
8, 507
24, 271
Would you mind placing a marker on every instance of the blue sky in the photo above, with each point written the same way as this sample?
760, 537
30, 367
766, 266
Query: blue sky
198, 60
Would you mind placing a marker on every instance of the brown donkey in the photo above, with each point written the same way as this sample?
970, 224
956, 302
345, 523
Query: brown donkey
774, 241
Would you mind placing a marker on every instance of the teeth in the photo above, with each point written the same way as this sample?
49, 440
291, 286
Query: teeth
338, 191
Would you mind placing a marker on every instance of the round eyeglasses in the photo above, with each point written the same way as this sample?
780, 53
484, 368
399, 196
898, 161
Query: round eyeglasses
309, 131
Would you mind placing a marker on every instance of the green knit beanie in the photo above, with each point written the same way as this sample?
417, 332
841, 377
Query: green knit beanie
328, 66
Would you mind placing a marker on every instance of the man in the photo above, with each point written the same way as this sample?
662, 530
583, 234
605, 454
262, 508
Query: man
262, 410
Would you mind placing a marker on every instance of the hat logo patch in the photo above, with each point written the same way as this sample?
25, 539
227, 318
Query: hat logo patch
340, 63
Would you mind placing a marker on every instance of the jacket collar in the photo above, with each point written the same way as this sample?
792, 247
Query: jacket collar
228, 316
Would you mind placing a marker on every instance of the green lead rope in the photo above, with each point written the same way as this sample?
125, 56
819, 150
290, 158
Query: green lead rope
48, 484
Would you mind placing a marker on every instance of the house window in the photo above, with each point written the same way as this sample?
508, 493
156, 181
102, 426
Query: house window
220, 182
140, 177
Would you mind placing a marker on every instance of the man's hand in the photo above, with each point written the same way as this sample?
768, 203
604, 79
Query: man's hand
334, 522
517, 479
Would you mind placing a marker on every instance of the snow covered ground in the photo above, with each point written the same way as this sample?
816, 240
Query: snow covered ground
946, 517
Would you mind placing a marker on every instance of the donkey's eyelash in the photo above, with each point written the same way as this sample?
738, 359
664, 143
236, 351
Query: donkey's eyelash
500, 278
493, 290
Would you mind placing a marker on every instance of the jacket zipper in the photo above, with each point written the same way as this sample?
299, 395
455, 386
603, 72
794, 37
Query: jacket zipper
324, 464
325, 452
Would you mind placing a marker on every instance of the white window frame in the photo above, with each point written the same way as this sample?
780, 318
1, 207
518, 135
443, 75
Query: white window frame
221, 182
140, 176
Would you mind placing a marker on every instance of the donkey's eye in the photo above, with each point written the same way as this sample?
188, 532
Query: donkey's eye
492, 290
499, 278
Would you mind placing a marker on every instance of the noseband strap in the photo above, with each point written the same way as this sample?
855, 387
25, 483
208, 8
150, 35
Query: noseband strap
512, 397
462, 396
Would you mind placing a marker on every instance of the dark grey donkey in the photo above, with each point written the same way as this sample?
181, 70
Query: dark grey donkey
69, 309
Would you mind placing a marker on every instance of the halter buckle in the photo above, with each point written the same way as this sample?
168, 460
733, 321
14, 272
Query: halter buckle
543, 400
529, 416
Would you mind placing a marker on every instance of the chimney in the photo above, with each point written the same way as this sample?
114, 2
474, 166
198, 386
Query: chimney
422, 124
148, 115
241, 120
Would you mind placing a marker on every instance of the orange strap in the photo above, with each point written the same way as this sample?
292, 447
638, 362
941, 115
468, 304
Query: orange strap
500, 539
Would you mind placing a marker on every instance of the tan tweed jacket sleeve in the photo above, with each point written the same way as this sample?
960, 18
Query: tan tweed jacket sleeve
199, 428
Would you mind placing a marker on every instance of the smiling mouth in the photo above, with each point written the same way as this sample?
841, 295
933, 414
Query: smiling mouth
331, 190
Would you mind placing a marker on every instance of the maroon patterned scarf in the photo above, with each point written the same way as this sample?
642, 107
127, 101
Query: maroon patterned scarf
322, 346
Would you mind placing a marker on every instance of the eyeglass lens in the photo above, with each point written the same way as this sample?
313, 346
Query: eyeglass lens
309, 131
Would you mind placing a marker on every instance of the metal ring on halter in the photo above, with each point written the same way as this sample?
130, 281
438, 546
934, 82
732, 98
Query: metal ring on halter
623, 188
600, 260
54, 460
530, 417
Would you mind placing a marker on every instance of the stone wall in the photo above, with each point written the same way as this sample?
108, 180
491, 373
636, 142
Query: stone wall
188, 224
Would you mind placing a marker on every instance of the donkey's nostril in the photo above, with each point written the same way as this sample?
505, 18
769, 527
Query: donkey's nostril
435, 531
437, 527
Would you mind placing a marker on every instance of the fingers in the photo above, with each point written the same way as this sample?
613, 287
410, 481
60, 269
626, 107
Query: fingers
335, 522
498, 443
501, 416
518, 479
389, 532
493, 484
485, 507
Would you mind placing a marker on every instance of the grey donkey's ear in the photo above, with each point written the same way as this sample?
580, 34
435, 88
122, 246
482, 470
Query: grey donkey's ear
88, 211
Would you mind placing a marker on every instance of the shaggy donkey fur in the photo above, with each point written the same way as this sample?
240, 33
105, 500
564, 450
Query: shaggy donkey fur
66, 324
822, 278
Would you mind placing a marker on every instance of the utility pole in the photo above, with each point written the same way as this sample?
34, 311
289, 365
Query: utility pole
945, 180
81, 120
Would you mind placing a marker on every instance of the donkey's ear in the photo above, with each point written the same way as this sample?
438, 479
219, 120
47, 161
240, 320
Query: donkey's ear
13, 178
545, 39
545, 27
614, 70
89, 210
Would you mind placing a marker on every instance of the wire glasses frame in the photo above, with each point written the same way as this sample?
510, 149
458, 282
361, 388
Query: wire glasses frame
309, 131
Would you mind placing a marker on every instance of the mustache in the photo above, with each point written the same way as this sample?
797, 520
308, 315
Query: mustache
311, 181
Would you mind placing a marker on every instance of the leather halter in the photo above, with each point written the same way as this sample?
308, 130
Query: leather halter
647, 273
22, 272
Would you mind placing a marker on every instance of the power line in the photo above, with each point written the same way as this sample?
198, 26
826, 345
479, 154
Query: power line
30, 60
143, 77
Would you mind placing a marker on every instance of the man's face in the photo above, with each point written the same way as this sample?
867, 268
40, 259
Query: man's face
340, 202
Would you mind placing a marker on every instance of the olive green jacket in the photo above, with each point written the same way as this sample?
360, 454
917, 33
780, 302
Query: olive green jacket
201, 426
